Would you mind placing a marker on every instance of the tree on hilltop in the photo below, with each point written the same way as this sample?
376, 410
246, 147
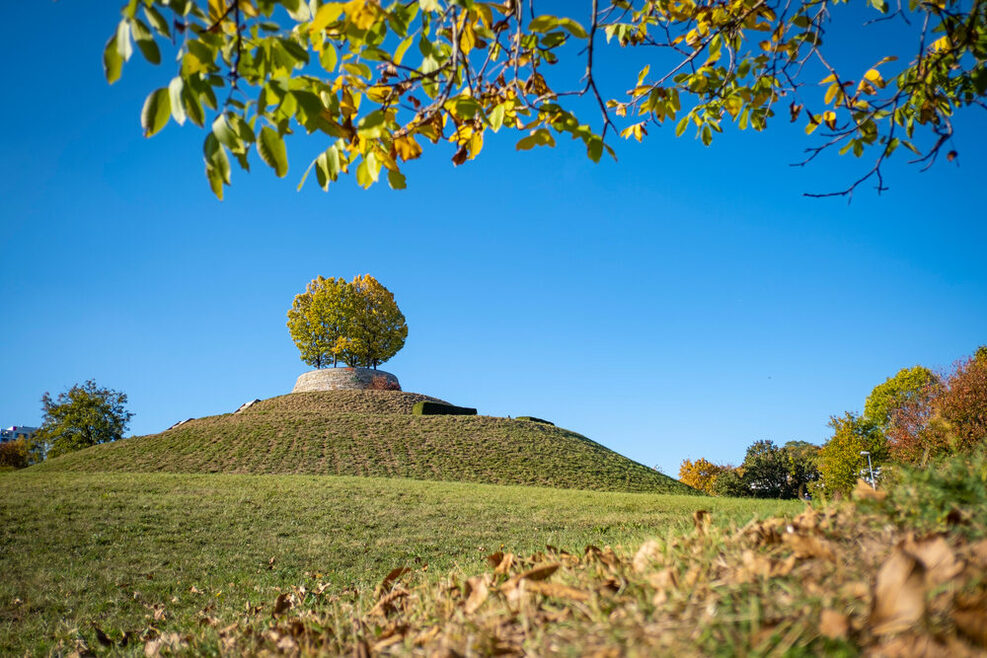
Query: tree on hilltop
380, 79
356, 322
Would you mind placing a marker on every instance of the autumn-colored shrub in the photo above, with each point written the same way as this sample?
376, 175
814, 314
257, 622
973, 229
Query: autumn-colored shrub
14, 454
945, 420
700, 474
382, 383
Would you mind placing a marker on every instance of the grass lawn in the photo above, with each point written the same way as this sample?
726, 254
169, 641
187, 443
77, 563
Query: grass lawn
124, 551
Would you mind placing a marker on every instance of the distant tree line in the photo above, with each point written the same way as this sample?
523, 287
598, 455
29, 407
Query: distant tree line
912, 418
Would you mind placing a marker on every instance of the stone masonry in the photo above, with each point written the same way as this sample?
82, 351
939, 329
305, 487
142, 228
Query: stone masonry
339, 379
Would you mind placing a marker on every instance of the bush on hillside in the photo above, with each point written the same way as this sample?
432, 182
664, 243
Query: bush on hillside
14, 454
382, 383
535, 420
426, 408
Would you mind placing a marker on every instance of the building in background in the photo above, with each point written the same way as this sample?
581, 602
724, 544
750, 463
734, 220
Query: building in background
17, 432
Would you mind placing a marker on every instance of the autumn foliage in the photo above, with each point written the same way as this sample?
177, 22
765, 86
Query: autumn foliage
700, 474
945, 419
356, 322
14, 454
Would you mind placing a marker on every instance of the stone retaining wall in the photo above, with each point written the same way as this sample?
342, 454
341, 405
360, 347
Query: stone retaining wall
340, 379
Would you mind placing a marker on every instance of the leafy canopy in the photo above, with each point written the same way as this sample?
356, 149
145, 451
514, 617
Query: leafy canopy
85, 415
358, 323
380, 79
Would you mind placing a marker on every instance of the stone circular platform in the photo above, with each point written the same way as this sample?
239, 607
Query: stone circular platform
342, 379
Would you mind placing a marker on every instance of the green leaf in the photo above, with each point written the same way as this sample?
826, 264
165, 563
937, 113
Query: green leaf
328, 57
112, 60
223, 131
401, 49
396, 180
192, 106
270, 146
145, 41
594, 148
707, 135
157, 21
681, 126
175, 89
157, 109
497, 116
543, 23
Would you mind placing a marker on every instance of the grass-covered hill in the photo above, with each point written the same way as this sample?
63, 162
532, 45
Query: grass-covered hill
373, 433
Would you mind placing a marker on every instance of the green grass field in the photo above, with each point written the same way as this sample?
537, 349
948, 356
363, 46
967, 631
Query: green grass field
123, 552
373, 434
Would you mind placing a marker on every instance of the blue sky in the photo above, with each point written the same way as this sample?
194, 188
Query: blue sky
682, 302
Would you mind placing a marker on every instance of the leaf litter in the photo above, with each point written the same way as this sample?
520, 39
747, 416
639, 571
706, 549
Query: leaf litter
835, 580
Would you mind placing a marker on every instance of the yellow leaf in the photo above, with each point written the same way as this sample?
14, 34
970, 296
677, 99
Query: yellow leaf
407, 148
327, 14
874, 77
828, 78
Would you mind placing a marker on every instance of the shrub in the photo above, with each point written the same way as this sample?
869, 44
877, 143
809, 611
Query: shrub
14, 454
535, 420
701, 474
382, 383
425, 408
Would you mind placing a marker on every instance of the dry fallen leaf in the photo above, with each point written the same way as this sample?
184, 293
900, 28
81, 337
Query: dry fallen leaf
863, 491
477, 593
558, 591
540, 573
899, 594
281, 605
810, 546
937, 557
833, 624
701, 519
648, 553
389, 579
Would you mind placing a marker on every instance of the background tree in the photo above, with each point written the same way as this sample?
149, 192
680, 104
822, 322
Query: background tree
840, 460
802, 464
908, 385
730, 484
84, 416
700, 474
349, 71
358, 323
949, 418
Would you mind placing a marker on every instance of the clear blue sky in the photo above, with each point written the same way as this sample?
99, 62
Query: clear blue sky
680, 303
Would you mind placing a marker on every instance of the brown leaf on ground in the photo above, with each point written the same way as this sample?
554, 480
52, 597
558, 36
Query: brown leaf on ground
389, 579
937, 557
506, 562
899, 594
971, 617
281, 605
476, 593
810, 546
540, 573
494, 559
701, 519
833, 624
558, 591
648, 553
863, 491
389, 602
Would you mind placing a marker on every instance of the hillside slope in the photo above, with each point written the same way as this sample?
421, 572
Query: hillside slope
372, 433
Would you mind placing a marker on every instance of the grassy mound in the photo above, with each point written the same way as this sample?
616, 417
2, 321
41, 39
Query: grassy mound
372, 433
